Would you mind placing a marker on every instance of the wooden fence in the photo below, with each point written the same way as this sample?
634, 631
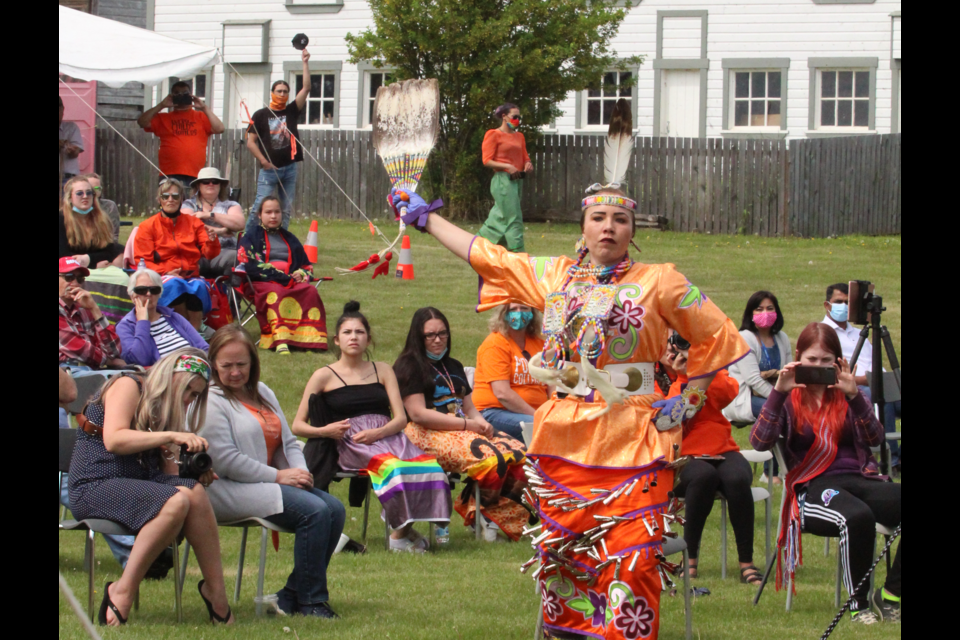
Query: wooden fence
811, 188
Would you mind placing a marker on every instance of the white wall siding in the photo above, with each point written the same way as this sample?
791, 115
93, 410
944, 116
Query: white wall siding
794, 29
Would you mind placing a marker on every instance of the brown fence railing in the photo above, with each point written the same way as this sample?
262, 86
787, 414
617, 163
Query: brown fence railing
811, 188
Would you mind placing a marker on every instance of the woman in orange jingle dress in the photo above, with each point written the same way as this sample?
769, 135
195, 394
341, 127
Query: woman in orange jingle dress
602, 459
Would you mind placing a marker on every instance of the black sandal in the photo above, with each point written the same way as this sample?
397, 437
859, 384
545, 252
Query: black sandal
751, 576
214, 618
108, 604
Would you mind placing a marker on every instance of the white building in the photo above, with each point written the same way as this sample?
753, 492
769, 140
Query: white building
730, 68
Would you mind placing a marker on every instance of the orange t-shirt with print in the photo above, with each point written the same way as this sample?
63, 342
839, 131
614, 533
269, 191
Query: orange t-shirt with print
507, 148
500, 358
183, 141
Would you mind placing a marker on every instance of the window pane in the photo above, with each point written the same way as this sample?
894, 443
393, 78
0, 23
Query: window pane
743, 85
316, 87
329, 86
773, 84
828, 82
742, 114
758, 115
845, 113
861, 114
759, 85
370, 116
828, 117
773, 113
328, 106
593, 93
200, 86
376, 81
626, 78
314, 112
863, 84
610, 85
845, 84
299, 83
608, 106
593, 113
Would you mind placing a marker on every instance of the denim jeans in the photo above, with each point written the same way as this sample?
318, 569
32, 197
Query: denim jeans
891, 413
318, 519
279, 182
507, 422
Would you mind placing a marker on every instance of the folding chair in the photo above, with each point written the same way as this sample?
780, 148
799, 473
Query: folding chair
68, 439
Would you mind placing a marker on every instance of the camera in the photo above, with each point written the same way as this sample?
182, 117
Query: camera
678, 343
194, 465
522, 175
182, 99
301, 41
816, 375
861, 301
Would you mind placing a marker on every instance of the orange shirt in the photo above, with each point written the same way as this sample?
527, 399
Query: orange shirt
508, 148
709, 433
272, 429
183, 141
499, 358
165, 244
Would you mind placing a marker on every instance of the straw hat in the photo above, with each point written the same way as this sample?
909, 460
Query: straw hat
210, 173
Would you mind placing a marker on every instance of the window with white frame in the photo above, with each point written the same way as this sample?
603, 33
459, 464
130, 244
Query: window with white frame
844, 99
372, 81
322, 104
757, 99
599, 102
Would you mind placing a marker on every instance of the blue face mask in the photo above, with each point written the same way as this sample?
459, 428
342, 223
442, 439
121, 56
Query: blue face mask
437, 358
840, 312
82, 212
519, 320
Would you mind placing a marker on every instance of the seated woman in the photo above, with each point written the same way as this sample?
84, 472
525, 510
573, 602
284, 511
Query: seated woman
716, 466
289, 308
124, 469
172, 245
223, 218
86, 233
834, 487
445, 423
504, 393
263, 473
356, 406
151, 332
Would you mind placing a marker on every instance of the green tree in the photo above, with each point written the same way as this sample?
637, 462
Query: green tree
532, 53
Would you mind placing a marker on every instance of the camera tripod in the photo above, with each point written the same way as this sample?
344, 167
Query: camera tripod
873, 304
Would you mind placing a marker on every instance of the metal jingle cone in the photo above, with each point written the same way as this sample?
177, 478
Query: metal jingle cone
603, 543
646, 486
633, 486
656, 481
616, 575
633, 564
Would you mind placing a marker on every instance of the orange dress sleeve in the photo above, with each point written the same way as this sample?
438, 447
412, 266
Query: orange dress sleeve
716, 343
514, 278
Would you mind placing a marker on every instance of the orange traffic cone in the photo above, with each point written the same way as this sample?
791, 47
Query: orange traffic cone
310, 246
405, 267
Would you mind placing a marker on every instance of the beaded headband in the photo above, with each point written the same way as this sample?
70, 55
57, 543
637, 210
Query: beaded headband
616, 201
194, 365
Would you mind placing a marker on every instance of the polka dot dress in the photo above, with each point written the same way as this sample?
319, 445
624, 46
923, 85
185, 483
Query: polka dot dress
129, 490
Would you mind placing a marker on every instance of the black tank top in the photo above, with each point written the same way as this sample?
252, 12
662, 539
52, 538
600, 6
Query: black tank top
357, 400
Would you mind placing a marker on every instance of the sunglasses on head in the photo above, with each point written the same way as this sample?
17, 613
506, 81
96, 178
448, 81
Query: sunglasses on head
84, 194
71, 277
144, 291
170, 196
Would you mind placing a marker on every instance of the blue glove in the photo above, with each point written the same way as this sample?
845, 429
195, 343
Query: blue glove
417, 210
671, 413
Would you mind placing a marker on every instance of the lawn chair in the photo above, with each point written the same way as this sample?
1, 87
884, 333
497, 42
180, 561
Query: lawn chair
68, 440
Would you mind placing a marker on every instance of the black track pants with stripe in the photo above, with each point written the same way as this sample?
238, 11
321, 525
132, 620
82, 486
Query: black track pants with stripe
849, 507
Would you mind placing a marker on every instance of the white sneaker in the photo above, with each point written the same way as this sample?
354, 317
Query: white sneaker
491, 532
764, 479
866, 618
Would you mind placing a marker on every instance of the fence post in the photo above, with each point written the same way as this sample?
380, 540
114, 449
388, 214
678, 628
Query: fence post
785, 190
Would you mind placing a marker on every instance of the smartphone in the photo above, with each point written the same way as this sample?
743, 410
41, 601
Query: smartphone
816, 375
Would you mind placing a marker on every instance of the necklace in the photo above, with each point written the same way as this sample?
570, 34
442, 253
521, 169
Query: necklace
448, 380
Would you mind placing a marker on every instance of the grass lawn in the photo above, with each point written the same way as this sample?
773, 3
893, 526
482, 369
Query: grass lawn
471, 591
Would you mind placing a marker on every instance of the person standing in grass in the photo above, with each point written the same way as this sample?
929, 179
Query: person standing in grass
505, 151
352, 411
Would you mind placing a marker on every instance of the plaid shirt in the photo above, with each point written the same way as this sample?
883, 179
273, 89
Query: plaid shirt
85, 341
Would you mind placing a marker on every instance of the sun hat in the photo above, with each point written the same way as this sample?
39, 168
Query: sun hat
70, 265
209, 173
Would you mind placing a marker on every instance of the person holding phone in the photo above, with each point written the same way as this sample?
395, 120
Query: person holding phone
834, 487
716, 466
172, 245
183, 131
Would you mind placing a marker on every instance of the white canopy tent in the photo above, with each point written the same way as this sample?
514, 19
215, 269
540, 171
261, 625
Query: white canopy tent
94, 48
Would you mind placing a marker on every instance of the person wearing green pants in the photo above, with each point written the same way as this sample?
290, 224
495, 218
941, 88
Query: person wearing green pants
505, 151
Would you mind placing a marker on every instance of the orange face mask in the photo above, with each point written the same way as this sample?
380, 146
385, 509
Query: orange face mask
277, 103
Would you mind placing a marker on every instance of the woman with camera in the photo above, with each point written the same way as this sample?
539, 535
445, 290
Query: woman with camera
264, 474
505, 151
834, 487
716, 466
125, 470
354, 417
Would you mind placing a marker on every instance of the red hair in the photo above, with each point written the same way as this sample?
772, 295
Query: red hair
833, 409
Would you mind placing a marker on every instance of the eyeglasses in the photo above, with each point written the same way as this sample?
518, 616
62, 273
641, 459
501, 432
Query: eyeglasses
282, 92
433, 337
70, 278
208, 183
143, 291
84, 194
170, 196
